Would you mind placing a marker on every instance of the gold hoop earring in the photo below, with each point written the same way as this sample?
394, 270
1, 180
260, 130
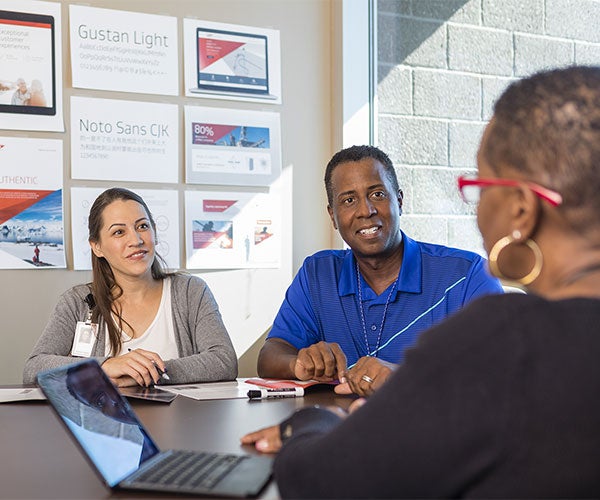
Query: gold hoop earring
501, 244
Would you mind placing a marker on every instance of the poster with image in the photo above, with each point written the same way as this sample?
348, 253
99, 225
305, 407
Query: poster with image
124, 140
123, 51
164, 206
232, 147
230, 61
232, 230
30, 66
31, 204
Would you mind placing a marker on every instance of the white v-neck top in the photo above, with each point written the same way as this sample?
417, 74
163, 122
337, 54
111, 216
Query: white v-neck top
159, 337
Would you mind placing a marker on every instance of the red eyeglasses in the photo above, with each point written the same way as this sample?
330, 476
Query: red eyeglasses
470, 188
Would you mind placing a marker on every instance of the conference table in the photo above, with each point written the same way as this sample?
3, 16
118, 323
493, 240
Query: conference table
39, 460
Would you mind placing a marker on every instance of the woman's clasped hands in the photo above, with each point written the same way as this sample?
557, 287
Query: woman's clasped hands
137, 367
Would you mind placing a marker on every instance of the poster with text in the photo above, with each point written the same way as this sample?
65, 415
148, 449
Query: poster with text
30, 66
123, 51
163, 205
229, 61
124, 140
232, 147
227, 230
31, 204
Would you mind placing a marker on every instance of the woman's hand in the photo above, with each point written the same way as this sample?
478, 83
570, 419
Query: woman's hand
138, 366
267, 440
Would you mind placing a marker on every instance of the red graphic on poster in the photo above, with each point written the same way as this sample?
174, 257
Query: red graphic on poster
217, 205
209, 133
13, 202
212, 50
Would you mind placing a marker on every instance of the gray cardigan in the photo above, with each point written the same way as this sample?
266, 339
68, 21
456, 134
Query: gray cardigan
205, 350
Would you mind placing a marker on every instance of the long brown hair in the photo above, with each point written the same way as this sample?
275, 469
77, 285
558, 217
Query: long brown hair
104, 287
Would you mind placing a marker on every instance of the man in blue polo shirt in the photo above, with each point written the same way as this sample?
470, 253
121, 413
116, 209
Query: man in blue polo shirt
350, 314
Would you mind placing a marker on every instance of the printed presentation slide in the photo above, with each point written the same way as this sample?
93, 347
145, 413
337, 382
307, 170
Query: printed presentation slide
232, 230
164, 206
230, 61
124, 140
123, 51
232, 147
31, 204
30, 66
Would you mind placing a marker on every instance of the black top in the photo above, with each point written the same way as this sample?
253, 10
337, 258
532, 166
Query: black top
500, 400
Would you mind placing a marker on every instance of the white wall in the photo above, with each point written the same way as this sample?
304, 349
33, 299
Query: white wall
248, 298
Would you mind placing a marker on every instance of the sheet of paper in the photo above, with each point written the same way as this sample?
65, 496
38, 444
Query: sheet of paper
11, 395
237, 389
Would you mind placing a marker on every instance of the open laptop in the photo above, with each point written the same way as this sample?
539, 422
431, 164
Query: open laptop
232, 63
122, 452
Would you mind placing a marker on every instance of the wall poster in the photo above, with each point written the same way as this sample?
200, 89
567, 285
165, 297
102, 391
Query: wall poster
229, 61
123, 51
124, 140
31, 204
30, 66
226, 230
232, 147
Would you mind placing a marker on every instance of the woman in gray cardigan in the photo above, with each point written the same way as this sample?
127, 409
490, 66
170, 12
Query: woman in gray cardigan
146, 325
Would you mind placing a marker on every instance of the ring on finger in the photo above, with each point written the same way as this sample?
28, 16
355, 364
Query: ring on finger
367, 379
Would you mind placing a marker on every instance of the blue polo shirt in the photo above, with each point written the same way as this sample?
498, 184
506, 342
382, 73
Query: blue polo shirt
321, 304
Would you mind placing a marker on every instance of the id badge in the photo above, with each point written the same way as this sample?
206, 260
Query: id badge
83, 342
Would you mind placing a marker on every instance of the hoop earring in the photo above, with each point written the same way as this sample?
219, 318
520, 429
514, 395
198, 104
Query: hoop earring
501, 244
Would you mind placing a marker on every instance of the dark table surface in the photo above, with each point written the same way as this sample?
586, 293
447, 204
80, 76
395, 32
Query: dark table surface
39, 460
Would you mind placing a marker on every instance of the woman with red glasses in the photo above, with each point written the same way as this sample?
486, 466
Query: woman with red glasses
501, 399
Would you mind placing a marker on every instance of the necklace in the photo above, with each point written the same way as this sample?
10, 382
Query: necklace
362, 313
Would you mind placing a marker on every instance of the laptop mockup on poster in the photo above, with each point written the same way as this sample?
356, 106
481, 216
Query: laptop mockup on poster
232, 63
122, 452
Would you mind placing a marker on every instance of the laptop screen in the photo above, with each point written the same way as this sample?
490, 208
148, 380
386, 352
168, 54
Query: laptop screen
27, 79
99, 418
232, 62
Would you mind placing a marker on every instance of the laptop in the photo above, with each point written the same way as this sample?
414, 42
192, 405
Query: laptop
232, 63
122, 452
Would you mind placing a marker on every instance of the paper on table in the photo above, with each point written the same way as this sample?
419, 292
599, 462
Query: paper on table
278, 383
11, 395
209, 390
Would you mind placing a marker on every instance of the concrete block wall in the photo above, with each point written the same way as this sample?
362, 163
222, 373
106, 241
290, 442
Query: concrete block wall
441, 66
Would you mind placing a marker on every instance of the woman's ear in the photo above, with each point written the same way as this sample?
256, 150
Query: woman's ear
95, 246
526, 211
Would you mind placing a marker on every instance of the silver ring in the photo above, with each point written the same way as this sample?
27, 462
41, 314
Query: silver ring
367, 379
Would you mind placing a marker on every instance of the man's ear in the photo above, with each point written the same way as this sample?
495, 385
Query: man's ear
95, 246
400, 200
330, 211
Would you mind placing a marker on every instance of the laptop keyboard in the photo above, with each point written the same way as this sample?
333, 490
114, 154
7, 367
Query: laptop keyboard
186, 470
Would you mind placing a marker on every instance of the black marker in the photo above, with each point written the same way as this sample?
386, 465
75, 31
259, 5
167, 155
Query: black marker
287, 392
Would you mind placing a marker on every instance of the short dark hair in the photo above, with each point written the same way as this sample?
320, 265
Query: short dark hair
357, 153
548, 127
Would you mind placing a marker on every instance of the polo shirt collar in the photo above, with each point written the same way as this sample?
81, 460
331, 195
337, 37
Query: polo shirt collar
410, 274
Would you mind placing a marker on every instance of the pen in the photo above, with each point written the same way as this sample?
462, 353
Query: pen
288, 392
163, 374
